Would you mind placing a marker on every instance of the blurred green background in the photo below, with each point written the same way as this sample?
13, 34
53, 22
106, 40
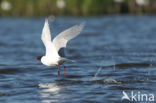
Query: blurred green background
31, 8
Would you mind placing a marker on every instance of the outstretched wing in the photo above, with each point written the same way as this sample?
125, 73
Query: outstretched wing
61, 40
46, 39
46, 36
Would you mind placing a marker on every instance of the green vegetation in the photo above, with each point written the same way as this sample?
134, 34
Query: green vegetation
73, 7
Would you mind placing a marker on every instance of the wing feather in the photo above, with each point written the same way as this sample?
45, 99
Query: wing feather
46, 36
46, 39
61, 40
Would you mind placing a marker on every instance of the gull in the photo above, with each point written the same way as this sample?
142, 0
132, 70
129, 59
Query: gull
51, 57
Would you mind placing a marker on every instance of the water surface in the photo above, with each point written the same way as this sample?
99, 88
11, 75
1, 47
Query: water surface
112, 54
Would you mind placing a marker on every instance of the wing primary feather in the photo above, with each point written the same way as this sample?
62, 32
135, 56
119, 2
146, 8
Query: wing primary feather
61, 40
46, 36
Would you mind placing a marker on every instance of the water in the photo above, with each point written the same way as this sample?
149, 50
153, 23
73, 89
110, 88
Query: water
112, 54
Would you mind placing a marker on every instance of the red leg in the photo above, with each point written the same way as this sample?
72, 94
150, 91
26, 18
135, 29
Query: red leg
65, 71
58, 70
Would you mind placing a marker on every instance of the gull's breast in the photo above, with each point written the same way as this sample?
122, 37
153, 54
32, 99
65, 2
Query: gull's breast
49, 61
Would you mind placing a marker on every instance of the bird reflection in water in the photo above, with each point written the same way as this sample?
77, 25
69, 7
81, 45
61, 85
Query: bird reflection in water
50, 92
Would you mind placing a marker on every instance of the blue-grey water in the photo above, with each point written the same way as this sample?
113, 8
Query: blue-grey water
113, 54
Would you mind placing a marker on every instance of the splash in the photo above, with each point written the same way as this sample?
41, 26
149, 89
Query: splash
98, 71
111, 81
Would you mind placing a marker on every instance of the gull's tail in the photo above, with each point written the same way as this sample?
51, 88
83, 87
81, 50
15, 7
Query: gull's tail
62, 60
